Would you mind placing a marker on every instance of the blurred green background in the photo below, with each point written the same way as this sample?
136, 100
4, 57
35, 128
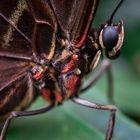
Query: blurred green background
74, 122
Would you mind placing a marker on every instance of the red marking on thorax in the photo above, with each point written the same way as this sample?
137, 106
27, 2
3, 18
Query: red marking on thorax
71, 82
70, 64
58, 97
46, 94
38, 75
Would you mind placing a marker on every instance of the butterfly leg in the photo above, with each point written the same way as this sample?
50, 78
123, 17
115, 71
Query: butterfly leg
105, 67
20, 114
110, 108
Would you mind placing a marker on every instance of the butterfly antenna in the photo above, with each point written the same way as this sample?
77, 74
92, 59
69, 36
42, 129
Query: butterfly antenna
114, 12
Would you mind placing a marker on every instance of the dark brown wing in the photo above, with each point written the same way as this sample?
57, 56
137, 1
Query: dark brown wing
17, 96
15, 45
11, 69
16, 85
33, 28
74, 16
44, 34
11, 41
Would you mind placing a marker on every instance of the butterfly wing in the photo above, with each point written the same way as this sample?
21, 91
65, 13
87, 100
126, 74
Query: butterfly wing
74, 16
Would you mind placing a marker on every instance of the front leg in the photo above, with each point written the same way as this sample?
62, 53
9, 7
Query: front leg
20, 114
110, 108
105, 67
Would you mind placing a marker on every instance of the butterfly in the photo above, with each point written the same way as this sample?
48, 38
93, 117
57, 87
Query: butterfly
47, 47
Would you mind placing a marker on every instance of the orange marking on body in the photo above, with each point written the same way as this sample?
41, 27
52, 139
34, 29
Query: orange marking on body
71, 82
46, 94
70, 64
38, 75
58, 97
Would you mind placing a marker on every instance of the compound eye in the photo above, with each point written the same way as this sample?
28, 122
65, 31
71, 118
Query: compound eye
110, 36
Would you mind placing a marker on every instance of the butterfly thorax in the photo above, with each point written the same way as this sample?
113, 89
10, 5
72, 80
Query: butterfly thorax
61, 78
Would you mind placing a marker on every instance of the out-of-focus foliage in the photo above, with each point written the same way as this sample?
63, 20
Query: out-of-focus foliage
73, 122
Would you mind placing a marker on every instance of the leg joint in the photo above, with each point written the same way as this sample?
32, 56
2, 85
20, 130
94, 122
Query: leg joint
13, 114
112, 108
106, 63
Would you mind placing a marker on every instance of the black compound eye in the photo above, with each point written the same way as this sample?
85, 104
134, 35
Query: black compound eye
110, 37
